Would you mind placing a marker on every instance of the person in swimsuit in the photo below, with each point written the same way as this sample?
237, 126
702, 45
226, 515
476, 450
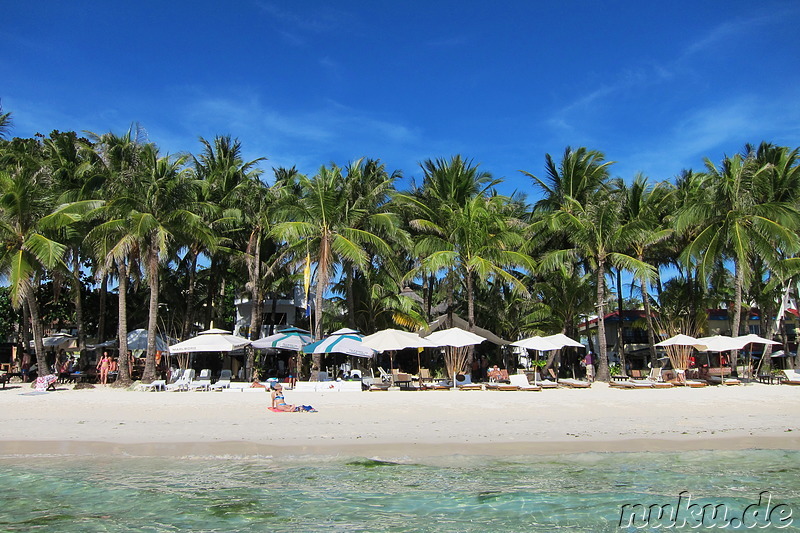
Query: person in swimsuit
104, 365
279, 403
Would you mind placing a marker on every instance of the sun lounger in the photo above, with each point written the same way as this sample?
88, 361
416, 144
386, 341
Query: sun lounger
546, 384
157, 385
223, 382
719, 380
182, 383
438, 385
631, 384
791, 377
694, 383
522, 383
575, 383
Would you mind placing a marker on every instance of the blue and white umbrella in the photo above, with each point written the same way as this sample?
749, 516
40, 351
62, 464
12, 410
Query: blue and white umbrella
288, 339
345, 341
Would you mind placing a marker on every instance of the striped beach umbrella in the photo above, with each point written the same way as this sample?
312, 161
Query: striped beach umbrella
346, 342
287, 339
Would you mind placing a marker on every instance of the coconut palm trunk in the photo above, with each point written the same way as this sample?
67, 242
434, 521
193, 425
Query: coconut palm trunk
124, 376
322, 285
188, 318
602, 356
38, 333
651, 337
78, 301
149, 373
737, 310
101, 320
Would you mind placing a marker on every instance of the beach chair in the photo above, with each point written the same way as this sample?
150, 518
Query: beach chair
575, 383
223, 382
157, 385
385, 376
790, 377
466, 383
182, 383
522, 383
203, 382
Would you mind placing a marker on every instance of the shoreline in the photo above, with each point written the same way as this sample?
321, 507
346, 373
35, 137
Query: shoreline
398, 424
386, 452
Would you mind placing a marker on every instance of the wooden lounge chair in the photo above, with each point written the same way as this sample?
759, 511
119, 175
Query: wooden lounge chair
575, 383
631, 384
791, 377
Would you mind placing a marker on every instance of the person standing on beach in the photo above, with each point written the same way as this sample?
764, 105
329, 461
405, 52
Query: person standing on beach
589, 362
25, 365
104, 366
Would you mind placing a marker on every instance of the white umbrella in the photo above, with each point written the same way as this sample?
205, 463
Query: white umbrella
719, 343
455, 337
212, 340
453, 340
394, 339
55, 340
755, 339
137, 340
538, 343
562, 340
678, 340
391, 340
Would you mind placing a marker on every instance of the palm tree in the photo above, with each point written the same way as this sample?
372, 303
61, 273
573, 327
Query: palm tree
150, 210
225, 178
69, 160
331, 230
646, 206
735, 223
29, 221
596, 233
5, 123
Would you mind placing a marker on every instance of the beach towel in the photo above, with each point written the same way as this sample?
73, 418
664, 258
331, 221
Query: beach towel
301, 409
43, 382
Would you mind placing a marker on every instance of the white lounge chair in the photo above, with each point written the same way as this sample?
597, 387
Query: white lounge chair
157, 385
203, 382
223, 382
521, 381
791, 377
182, 383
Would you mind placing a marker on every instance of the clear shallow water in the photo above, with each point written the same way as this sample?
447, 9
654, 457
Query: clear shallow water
581, 492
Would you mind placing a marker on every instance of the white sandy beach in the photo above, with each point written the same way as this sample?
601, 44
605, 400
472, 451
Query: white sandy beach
106, 420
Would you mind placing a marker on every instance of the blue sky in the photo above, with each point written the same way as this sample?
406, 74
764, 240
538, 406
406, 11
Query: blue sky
656, 86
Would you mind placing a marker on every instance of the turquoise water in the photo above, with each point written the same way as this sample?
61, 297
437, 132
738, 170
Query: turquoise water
582, 492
